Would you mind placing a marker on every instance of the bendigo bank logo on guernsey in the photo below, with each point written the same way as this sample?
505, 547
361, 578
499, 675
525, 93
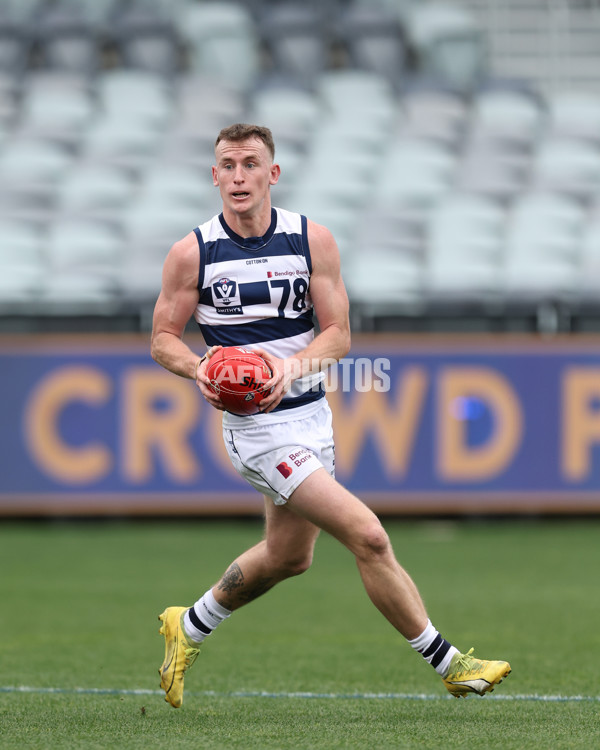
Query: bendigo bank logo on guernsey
275, 274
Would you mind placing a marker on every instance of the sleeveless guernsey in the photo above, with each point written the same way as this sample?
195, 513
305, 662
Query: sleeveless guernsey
254, 292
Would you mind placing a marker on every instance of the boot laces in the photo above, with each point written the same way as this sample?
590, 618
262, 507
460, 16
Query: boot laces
467, 663
190, 656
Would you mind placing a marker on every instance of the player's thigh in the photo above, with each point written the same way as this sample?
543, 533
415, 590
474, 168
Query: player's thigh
289, 536
324, 502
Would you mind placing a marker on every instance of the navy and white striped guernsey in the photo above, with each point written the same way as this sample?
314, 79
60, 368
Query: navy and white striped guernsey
254, 292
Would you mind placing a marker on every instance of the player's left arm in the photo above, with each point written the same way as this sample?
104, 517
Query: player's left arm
330, 302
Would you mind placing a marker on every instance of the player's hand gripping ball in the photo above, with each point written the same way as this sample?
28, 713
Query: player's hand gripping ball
238, 377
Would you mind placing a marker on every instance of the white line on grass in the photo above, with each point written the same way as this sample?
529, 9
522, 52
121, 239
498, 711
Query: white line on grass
266, 694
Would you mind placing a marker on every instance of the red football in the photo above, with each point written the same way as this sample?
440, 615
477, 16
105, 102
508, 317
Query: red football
238, 376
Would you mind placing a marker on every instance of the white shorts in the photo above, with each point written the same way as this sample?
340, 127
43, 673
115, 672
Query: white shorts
276, 458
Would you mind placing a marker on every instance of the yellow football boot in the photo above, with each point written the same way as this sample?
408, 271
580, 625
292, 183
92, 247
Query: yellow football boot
470, 675
180, 654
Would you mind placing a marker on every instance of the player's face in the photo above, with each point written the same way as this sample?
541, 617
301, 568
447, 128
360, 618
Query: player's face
243, 174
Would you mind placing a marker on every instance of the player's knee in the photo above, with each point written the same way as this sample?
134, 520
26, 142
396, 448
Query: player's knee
295, 565
374, 541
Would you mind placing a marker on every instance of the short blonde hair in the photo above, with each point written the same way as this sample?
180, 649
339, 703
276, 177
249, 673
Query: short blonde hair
242, 132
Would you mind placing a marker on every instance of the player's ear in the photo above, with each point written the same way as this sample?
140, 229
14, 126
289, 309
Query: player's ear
215, 177
275, 173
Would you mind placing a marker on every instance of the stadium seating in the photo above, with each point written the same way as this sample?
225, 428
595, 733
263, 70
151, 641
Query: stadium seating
9, 103
95, 191
449, 42
494, 170
433, 111
176, 184
588, 282
373, 39
21, 263
33, 166
148, 40
121, 143
542, 250
574, 114
82, 269
99, 14
386, 271
200, 106
151, 224
222, 42
504, 130
57, 107
465, 249
293, 113
506, 116
391, 129
68, 40
417, 171
16, 44
566, 165
361, 93
135, 95
297, 39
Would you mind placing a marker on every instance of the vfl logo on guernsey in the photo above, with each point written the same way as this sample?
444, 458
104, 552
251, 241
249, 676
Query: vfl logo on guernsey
226, 297
224, 290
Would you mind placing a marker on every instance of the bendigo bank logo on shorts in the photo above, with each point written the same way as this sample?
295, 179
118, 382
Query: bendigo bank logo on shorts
284, 469
297, 458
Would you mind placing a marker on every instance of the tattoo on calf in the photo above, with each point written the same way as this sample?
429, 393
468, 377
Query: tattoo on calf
233, 580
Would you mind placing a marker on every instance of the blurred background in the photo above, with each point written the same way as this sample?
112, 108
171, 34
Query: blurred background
453, 148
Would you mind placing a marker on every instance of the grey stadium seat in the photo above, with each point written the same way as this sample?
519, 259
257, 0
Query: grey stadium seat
543, 244
373, 39
67, 40
16, 44
297, 38
222, 42
465, 242
449, 43
21, 268
148, 40
82, 268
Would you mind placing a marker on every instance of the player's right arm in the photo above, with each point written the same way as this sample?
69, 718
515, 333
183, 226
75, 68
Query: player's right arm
176, 303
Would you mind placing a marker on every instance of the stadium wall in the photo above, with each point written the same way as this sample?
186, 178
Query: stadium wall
424, 425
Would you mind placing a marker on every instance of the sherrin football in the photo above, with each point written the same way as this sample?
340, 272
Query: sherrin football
238, 376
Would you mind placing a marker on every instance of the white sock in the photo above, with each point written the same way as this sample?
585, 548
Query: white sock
436, 650
201, 619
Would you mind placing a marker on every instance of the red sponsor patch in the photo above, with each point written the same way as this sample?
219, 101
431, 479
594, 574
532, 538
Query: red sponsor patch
284, 469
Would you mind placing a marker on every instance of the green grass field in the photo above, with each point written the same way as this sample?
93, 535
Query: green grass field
311, 664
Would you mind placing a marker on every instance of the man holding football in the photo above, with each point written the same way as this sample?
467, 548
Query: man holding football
280, 269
